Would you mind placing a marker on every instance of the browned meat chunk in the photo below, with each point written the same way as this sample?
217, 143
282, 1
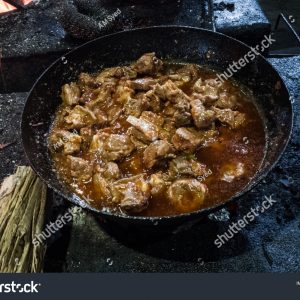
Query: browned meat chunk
174, 94
137, 138
152, 101
167, 130
109, 171
66, 141
80, 168
186, 166
97, 142
131, 193
101, 187
148, 64
149, 130
203, 118
185, 74
112, 171
117, 72
226, 101
232, 171
135, 106
230, 117
86, 134
126, 72
149, 116
80, 117
179, 106
206, 91
101, 117
101, 95
117, 146
187, 194
159, 182
113, 113
87, 80
142, 84
186, 139
70, 94
155, 151
123, 93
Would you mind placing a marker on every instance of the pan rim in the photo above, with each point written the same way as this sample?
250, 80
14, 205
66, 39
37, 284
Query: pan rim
76, 200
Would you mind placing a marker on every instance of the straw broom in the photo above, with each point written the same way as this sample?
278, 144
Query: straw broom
22, 204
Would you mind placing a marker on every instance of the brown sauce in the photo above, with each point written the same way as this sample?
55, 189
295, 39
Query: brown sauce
245, 145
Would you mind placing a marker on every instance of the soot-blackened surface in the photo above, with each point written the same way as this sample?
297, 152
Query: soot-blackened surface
270, 243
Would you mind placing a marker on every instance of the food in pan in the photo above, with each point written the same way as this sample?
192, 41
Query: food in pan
156, 138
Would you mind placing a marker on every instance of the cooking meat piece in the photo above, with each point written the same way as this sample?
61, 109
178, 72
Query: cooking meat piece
80, 168
135, 106
131, 193
206, 91
101, 117
152, 100
101, 95
68, 142
198, 86
101, 187
148, 64
230, 117
186, 139
141, 84
179, 106
174, 94
186, 166
70, 94
97, 142
159, 91
155, 119
203, 118
142, 137
159, 182
137, 138
87, 80
232, 171
149, 130
111, 171
86, 134
187, 194
185, 74
126, 72
117, 72
123, 93
116, 147
181, 116
226, 101
80, 117
113, 113
167, 130
155, 151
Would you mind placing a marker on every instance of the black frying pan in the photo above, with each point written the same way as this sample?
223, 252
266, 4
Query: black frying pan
185, 44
